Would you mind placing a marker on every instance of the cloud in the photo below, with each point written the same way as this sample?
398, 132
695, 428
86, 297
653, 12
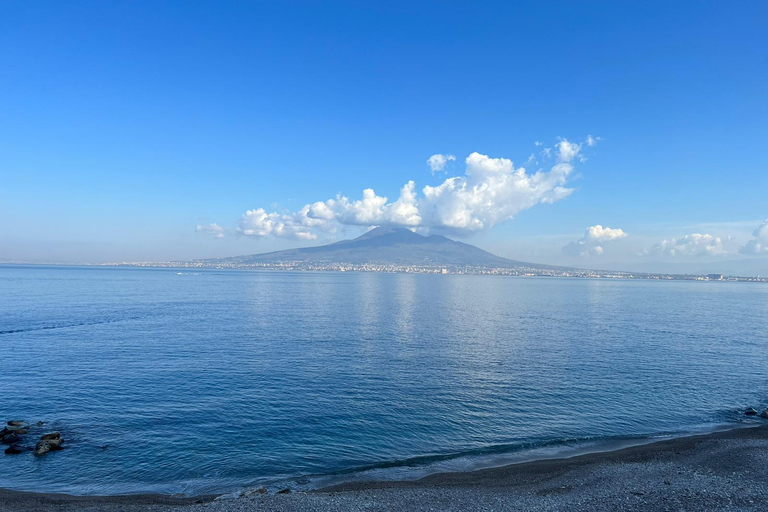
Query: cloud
591, 244
759, 244
211, 229
492, 190
591, 141
567, 151
259, 223
690, 245
438, 162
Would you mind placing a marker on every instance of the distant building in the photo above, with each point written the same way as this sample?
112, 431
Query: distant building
715, 277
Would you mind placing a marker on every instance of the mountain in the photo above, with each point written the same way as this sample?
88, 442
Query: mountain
386, 246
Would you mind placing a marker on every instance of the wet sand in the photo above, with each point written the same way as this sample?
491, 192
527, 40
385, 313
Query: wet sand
718, 471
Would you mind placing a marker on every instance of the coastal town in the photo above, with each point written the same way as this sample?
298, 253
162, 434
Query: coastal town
390, 268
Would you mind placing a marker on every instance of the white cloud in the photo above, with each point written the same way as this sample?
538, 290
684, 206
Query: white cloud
567, 151
690, 245
759, 244
591, 244
259, 223
438, 162
492, 190
591, 141
211, 229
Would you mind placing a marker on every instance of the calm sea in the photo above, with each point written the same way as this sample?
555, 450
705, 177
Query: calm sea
209, 381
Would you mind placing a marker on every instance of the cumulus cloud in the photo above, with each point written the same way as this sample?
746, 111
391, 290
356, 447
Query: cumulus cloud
260, 223
491, 190
690, 245
759, 244
591, 244
211, 229
438, 162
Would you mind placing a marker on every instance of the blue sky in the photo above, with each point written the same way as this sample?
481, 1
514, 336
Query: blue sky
125, 125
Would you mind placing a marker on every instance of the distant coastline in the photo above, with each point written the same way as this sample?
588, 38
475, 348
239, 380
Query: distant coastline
398, 250
412, 269
445, 270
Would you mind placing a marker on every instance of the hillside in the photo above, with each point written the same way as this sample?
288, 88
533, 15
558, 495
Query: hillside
386, 246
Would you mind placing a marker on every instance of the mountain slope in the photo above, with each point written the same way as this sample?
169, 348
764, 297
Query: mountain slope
387, 246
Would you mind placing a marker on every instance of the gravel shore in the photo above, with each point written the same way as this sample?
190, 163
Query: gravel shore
717, 471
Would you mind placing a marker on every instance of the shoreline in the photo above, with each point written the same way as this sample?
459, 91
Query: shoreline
569, 272
720, 470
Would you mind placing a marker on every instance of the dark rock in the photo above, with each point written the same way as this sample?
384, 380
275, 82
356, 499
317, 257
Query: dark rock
16, 423
46, 445
22, 431
764, 414
750, 412
50, 435
5, 432
11, 439
256, 490
40, 423
284, 491
42, 447
15, 449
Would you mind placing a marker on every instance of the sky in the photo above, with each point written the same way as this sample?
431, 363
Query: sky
598, 134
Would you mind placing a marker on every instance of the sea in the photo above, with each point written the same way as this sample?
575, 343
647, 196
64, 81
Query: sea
192, 382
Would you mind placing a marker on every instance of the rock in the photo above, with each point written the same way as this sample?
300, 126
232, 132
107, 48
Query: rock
15, 449
284, 491
5, 432
22, 431
46, 445
40, 423
11, 439
750, 412
256, 490
764, 414
16, 423
42, 447
50, 435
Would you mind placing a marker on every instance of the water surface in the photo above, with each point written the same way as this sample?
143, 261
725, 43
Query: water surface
206, 381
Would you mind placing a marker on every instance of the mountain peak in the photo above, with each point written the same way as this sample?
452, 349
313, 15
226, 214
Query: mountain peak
389, 230
387, 245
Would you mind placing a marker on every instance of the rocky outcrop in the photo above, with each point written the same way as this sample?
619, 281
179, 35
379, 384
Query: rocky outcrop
11, 438
48, 442
11, 434
16, 449
764, 414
